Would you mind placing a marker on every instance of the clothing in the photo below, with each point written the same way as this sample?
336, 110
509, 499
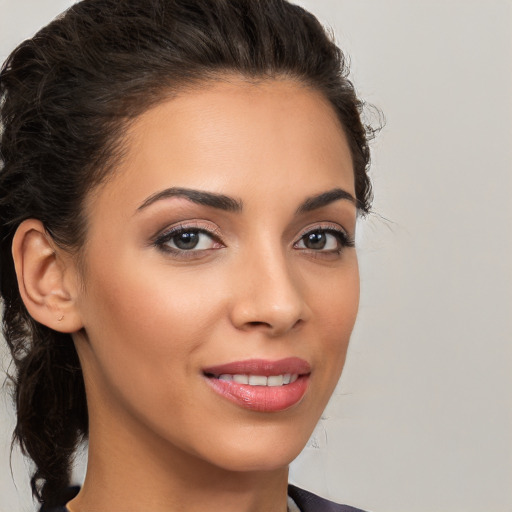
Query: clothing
305, 501
309, 502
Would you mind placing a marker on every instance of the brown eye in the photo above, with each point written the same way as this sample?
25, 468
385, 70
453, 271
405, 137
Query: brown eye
316, 240
324, 240
187, 240
183, 239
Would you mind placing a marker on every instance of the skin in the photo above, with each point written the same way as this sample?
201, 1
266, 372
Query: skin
149, 320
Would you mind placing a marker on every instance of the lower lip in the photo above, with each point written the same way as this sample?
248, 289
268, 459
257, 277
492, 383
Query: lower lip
261, 398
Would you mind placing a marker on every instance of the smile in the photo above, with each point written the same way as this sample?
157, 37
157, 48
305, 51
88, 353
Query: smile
259, 385
259, 380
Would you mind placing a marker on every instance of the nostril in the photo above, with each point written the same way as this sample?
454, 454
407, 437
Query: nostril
268, 325
300, 321
274, 315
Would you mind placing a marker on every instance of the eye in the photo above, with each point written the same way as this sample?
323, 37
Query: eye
188, 240
324, 240
182, 239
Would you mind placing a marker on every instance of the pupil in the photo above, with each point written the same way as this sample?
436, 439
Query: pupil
315, 240
187, 240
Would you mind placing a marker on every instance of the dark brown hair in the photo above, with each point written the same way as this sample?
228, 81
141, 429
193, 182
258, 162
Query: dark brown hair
66, 97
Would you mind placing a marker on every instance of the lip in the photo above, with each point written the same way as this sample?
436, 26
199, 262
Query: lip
261, 398
262, 367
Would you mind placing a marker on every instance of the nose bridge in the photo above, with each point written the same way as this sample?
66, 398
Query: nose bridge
268, 292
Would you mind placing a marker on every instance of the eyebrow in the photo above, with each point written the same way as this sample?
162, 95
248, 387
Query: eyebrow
324, 199
230, 204
219, 201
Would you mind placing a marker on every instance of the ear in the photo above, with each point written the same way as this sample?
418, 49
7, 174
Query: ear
47, 278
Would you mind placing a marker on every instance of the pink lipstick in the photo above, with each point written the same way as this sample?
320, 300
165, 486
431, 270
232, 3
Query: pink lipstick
261, 385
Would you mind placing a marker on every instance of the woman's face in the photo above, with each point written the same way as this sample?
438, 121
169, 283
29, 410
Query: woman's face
220, 278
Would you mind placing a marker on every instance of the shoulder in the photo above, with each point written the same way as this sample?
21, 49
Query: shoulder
309, 502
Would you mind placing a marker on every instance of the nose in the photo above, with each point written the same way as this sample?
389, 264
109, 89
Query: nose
268, 296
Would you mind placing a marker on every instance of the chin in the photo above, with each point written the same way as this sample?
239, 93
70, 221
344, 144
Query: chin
246, 461
258, 451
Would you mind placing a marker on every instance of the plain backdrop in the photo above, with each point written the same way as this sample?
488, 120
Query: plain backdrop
422, 418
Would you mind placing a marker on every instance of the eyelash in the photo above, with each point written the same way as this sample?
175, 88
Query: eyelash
162, 241
343, 238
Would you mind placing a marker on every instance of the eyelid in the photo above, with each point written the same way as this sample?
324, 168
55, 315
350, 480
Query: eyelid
343, 240
328, 227
162, 235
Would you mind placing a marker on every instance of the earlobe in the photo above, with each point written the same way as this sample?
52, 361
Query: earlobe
46, 279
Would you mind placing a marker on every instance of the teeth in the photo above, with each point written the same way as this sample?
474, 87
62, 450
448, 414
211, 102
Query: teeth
275, 380
257, 380
260, 380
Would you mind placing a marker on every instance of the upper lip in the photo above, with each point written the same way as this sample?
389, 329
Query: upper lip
293, 365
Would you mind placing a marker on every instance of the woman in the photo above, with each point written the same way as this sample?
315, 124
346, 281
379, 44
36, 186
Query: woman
179, 192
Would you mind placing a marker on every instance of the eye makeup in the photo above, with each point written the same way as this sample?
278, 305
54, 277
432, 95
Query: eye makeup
188, 240
193, 240
326, 238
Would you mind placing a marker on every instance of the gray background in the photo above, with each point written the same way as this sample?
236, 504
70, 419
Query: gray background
422, 419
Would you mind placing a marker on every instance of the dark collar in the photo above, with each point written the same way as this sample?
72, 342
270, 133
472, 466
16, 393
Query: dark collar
309, 502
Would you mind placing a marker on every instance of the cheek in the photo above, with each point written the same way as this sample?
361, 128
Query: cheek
145, 328
335, 298
138, 297
335, 311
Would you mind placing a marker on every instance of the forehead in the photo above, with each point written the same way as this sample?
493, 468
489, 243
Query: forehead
234, 135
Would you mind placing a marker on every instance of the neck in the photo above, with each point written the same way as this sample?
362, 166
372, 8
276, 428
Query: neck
130, 470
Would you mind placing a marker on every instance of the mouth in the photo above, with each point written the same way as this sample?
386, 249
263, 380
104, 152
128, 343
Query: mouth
257, 380
260, 385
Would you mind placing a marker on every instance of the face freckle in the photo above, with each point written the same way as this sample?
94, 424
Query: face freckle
185, 283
